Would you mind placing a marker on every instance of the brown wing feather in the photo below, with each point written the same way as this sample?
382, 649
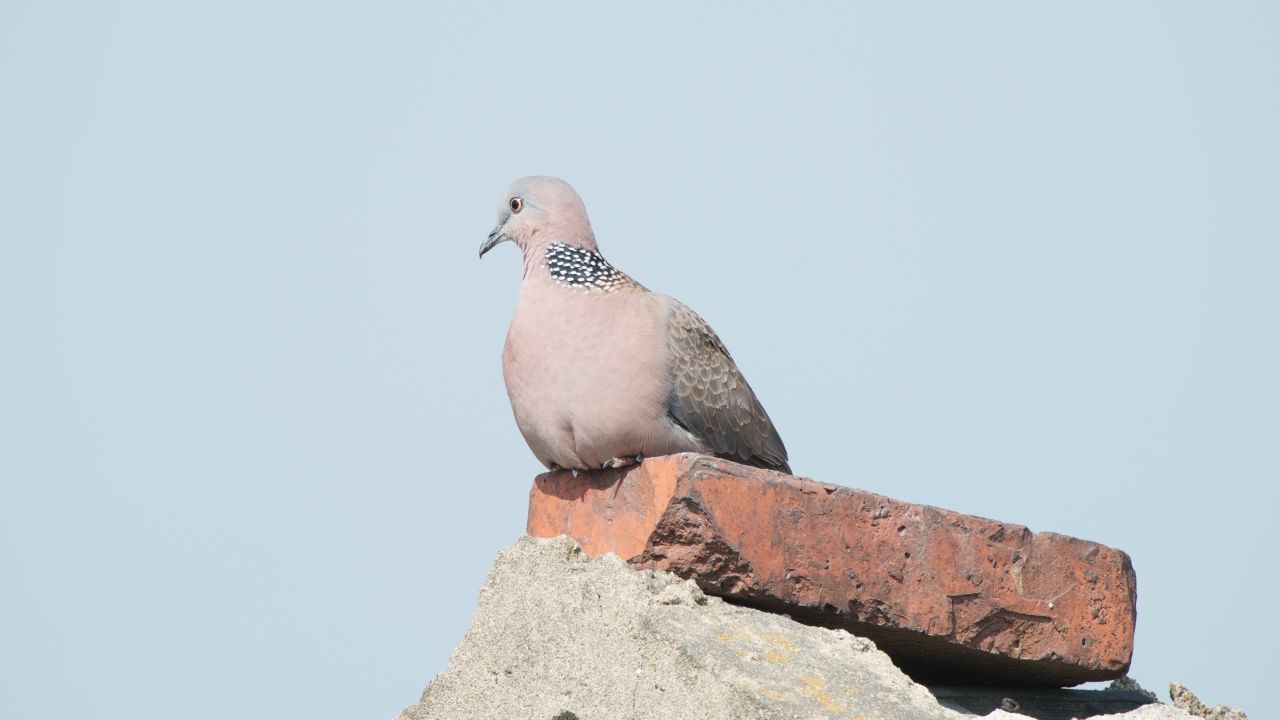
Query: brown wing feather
711, 399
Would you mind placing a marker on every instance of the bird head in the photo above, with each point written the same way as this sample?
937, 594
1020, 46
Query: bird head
536, 211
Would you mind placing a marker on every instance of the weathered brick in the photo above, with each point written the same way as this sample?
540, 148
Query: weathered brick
951, 597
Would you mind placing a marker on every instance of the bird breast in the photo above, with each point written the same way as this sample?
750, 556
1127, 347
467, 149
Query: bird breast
586, 373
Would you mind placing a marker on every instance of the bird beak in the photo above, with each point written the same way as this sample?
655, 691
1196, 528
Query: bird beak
495, 237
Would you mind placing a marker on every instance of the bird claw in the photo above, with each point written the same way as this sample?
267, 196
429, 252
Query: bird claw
555, 467
610, 464
620, 462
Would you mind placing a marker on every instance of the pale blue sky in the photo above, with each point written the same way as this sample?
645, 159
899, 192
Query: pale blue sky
255, 451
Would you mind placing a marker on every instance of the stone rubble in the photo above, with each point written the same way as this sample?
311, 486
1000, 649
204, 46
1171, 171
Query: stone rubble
558, 635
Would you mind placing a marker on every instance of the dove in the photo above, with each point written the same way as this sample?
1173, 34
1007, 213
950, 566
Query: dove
600, 371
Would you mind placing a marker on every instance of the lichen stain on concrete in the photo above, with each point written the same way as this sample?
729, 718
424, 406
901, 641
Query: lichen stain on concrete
780, 641
779, 695
815, 687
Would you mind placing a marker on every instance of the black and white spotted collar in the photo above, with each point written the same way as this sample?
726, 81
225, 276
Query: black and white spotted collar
580, 268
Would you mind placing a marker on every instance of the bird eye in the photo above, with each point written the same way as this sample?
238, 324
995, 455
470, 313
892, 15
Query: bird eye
517, 204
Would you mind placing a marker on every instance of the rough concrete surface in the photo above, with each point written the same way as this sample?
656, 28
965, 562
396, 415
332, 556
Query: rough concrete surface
1187, 700
560, 636
950, 597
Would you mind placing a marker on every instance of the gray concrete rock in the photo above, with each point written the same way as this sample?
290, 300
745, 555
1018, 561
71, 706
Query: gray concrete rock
558, 636
1187, 700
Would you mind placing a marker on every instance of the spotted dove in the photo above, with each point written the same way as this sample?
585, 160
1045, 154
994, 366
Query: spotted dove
600, 371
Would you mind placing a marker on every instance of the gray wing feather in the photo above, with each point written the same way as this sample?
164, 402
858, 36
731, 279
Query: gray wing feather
710, 398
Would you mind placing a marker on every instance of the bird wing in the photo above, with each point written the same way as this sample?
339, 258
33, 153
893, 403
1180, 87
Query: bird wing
710, 398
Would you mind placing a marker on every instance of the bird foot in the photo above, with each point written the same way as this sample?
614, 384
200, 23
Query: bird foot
554, 467
620, 462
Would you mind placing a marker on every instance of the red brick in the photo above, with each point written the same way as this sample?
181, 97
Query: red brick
952, 598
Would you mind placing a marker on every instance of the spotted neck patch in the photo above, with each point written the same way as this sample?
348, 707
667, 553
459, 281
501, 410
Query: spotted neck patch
579, 268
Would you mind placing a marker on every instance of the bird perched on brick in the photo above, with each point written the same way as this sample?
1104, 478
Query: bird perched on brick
600, 371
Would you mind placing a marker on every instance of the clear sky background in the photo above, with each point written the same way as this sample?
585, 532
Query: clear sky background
255, 451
